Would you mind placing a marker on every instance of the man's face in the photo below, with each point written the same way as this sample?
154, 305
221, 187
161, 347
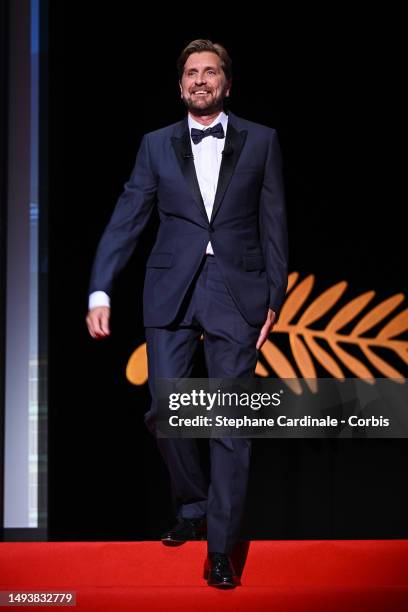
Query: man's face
203, 85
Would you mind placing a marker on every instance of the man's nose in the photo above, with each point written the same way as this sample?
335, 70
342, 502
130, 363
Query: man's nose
200, 79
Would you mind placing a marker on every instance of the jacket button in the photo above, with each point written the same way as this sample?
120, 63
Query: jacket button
211, 230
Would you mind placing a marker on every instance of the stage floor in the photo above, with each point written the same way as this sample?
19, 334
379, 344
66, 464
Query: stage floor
283, 575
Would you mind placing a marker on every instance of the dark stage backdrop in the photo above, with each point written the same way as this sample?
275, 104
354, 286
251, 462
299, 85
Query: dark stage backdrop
331, 91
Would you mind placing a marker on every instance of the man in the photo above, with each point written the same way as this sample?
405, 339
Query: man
218, 268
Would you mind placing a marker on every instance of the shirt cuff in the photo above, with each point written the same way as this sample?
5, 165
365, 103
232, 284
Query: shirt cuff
98, 298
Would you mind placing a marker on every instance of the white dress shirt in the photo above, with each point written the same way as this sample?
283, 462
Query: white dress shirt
207, 161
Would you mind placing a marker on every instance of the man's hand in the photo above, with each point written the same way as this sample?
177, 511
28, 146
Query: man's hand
266, 329
97, 321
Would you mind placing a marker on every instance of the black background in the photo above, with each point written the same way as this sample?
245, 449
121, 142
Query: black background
330, 85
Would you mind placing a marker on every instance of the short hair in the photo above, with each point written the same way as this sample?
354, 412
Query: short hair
200, 45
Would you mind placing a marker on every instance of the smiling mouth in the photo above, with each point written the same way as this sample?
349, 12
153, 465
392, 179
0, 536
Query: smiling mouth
200, 93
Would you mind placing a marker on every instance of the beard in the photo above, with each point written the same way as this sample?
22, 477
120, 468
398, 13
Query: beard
200, 108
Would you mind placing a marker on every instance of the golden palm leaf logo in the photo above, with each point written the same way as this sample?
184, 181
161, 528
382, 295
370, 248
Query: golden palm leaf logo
310, 345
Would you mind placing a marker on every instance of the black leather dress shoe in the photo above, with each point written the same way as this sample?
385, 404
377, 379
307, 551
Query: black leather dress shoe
185, 529
219, 571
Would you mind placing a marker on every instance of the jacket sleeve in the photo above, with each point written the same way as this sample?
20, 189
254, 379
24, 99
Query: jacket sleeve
273, 226
129, 218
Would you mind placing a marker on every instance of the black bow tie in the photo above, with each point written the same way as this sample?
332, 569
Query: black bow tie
197, 135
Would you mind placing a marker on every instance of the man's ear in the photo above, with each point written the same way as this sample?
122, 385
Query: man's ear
228, 91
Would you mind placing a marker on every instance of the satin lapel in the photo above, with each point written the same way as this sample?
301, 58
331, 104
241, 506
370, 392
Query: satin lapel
234, 141
182, 148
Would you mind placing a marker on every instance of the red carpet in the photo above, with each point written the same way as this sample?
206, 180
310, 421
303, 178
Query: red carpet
294, 575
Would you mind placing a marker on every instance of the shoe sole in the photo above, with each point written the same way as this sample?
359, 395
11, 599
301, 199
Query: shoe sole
171, 542
223, 585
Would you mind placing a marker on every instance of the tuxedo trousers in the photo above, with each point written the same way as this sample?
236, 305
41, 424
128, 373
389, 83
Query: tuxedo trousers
208, 310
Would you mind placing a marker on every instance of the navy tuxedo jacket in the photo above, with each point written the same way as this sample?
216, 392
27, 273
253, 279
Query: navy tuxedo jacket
247, 228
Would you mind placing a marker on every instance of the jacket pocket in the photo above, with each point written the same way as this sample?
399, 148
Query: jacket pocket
160, 260
254, 262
